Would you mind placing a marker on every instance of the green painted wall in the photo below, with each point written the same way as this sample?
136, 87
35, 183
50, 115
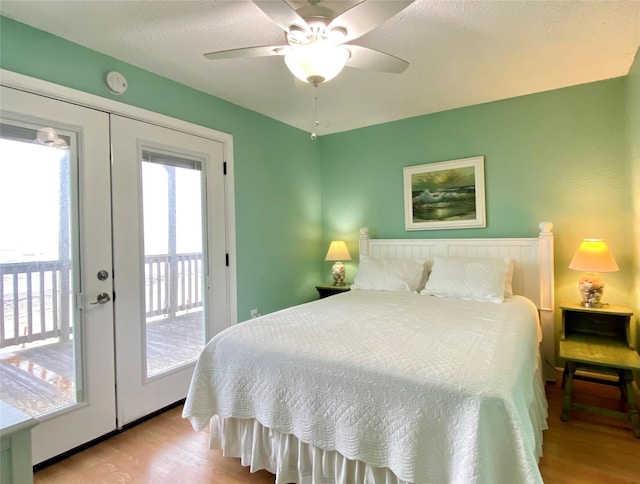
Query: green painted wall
277, 176
559, 156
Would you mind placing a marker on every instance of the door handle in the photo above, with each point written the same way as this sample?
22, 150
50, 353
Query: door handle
103, 298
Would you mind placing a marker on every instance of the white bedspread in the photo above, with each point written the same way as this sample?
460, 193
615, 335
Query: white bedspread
437, 390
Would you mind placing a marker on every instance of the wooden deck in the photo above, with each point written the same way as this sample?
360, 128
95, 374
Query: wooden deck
41, 379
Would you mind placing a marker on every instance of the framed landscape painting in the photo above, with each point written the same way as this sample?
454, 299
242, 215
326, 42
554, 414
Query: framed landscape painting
445, 195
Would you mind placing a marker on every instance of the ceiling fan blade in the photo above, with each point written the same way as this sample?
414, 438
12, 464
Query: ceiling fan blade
281, 13
244, 52
374, 60
367, 15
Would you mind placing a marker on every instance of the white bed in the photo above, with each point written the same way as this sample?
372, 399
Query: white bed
386, 386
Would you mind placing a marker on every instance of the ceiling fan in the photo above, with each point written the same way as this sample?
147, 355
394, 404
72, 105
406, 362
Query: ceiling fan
317, 38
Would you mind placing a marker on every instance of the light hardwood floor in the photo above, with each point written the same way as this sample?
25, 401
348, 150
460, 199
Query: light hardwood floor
587, 449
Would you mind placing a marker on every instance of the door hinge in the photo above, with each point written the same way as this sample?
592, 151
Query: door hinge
226, 259
224, 167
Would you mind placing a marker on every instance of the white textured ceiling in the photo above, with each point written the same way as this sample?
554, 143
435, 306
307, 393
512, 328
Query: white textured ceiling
460, 52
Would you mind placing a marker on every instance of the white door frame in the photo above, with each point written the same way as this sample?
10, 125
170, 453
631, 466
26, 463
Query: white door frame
62, 93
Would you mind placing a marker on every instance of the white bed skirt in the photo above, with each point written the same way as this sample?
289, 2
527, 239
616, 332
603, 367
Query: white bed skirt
291, 460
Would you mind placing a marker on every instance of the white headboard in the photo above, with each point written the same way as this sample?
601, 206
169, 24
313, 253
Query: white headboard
533, 266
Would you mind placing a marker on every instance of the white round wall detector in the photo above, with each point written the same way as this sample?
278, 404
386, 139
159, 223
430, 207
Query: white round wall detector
116, 82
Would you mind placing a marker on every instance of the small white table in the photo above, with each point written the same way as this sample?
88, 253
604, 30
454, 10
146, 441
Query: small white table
15, 434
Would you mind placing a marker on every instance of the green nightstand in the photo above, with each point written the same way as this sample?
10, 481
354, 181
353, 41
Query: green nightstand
326, 290
597, 340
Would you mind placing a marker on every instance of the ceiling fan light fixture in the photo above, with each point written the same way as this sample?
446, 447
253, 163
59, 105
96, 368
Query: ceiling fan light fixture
316, 62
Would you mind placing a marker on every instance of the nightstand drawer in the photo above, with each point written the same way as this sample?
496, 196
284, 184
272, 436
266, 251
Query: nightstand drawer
609, 323
597, 324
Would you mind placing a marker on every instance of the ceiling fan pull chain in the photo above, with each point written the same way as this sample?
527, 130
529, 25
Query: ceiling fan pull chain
314, 94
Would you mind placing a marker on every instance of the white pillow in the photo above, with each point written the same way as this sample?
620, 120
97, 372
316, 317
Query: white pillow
396, 275
481, 279
508, 287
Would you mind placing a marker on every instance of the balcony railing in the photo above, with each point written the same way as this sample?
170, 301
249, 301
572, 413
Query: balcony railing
169, 291
36, 297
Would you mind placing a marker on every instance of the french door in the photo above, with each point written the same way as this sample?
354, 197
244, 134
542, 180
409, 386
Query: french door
57, 345
169, 260
112, 265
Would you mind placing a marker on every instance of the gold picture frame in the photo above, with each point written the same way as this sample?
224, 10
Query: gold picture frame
445, 195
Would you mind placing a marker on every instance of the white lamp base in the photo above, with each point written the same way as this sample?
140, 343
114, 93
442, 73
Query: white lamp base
337, 271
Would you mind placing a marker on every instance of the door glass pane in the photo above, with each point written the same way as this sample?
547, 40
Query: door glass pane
173, 241
39, 326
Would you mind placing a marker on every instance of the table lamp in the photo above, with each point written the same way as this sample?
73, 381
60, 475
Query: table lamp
593, 256
338, 252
